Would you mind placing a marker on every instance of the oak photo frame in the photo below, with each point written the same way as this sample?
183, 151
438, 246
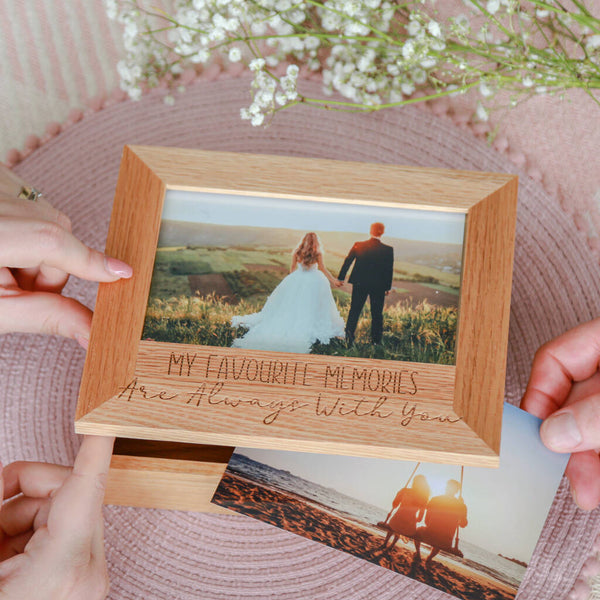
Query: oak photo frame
134, 389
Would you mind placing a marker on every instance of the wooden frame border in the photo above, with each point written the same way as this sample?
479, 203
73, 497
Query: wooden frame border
488, 200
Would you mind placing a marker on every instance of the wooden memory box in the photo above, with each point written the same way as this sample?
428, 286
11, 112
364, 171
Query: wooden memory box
213, 237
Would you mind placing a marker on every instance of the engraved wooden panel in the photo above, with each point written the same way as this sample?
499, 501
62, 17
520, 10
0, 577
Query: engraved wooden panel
215, 395
221, 396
